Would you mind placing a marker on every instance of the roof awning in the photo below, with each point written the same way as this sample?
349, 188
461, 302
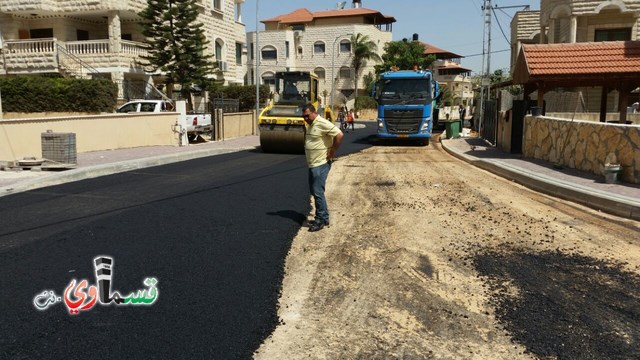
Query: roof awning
579, 64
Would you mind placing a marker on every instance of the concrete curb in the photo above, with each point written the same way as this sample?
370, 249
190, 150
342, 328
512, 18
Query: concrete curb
595, 199
90, 172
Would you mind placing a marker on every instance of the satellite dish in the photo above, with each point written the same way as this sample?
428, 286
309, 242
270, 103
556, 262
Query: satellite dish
341, 5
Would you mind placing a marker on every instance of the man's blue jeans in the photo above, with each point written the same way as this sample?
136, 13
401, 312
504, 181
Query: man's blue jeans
317, 180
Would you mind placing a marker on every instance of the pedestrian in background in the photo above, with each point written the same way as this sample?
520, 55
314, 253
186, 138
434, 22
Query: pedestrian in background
321, 142
351, 120
462, 112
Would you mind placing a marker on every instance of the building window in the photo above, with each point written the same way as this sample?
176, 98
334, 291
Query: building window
345, 72
82, 35
251, 51
320, 72
295, 27
345, 46
269, 53
238, 54
269, 79
613, 35
217, 5
299, 50
41, 33
218, 50
286, 49
318, 47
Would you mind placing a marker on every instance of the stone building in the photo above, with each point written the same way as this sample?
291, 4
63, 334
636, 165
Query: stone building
448, 71
578, 21
90, 38
320, 42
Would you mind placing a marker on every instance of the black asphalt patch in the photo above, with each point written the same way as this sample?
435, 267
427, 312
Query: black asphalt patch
565, 306
214, 231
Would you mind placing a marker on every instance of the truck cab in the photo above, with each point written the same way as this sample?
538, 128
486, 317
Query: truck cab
405, 104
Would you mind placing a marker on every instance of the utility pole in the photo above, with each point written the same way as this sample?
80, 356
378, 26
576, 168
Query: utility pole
256, 57
485, 79
485, 82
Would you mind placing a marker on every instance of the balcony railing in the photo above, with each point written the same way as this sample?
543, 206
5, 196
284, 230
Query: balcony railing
51, 55
87, 47
31, 46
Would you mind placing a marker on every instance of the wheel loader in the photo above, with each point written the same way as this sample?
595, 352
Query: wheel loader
282, 128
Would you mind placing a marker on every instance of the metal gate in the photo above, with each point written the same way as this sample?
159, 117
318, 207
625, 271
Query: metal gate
227, 105
489, 129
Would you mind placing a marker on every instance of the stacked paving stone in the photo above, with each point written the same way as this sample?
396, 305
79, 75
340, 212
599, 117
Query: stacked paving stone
59, 147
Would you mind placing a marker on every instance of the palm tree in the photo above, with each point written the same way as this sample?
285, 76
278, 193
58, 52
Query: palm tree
364, 50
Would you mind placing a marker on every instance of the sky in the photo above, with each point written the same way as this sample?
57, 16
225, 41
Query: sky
452, 25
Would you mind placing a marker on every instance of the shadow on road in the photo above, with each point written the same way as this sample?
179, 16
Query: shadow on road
297, 217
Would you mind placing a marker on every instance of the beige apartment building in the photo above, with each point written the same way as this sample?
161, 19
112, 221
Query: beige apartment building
448, 71
577, 21
91, 38
319, 42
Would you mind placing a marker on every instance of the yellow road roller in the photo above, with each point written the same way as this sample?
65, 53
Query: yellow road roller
281, 125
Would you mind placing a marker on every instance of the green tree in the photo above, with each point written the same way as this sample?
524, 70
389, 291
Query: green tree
369, 80
176, 43
499, 76
405, 55
502, 75
446, 97
364, 50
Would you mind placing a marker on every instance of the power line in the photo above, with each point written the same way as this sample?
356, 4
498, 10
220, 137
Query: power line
476, 5
500, 26
493, 52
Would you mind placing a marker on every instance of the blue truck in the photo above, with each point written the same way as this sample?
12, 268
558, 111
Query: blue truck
406, 100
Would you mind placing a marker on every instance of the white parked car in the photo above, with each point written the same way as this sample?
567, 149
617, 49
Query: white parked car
196, 123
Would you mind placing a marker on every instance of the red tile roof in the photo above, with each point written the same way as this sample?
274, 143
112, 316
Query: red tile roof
297, 16
577, 59
304, 16
453, 67
439, 53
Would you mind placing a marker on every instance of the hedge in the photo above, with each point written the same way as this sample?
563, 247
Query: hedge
365, 102
44, 94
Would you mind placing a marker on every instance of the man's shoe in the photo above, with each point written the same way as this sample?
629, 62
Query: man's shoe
318, 225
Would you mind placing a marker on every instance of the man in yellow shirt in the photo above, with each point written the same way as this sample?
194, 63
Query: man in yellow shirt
322, 140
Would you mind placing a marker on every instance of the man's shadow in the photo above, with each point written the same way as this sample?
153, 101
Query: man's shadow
299, 218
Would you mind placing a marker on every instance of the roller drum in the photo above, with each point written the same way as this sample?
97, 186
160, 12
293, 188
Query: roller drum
282, 139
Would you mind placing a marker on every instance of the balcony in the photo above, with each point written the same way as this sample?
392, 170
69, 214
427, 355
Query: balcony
40, 56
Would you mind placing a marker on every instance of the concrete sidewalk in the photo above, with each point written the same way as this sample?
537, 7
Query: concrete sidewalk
100, 163
570, 184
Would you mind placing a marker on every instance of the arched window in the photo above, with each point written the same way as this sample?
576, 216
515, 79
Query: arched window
318, 47
345, 72
219, 45
320, 72
345, 46
269, 53
269, 78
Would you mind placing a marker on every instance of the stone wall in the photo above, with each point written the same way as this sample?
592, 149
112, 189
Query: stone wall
238, 125
20, 138
634, 118
583, 145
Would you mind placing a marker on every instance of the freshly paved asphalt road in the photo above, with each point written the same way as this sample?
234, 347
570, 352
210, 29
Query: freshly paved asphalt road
214, 232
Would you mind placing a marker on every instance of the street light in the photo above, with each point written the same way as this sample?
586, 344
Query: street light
333, 66
256, 58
